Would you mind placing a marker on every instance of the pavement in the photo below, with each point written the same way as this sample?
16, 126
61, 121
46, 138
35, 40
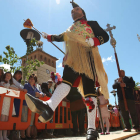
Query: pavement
116, 135
137, 137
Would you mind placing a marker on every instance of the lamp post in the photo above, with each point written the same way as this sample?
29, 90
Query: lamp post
28, 34
114, 93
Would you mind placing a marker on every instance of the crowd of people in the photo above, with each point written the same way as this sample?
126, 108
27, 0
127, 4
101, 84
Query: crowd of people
77, 106
14, 82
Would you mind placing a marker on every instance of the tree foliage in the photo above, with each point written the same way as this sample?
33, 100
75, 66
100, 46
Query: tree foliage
30, 67
11, 59
30, 46
136, 86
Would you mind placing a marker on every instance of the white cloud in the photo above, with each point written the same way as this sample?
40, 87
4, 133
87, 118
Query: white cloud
58, 1
108, 59
59, 65
6, 66
58, 60
110, 94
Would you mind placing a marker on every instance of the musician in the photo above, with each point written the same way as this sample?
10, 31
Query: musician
82, 66
128, 84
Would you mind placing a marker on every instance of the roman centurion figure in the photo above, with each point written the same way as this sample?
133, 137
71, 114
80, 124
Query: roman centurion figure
82, 67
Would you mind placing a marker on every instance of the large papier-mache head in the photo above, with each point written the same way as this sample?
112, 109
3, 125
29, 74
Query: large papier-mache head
74, 5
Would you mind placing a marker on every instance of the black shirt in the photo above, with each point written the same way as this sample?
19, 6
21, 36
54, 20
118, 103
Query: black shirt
130, 84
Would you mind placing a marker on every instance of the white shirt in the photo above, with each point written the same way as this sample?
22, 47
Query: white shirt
17, 84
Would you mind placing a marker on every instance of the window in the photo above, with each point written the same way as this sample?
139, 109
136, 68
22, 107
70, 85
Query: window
24, 62
40, 57
31, 57
49, 61
35, 57
45, 59
52, 63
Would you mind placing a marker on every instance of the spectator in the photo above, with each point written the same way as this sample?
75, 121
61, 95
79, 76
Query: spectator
17, 80
38, 86
50, 83
110, 108
45, 89
17, 83
31, 89
128, 84
6, 82
104, 112
78, 108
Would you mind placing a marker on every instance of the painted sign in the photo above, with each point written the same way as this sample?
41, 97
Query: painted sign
59, 126
9, 92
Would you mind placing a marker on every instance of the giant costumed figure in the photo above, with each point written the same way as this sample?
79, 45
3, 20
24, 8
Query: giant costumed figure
82, 62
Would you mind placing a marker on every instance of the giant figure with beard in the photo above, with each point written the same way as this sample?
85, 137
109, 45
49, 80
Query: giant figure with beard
82, 67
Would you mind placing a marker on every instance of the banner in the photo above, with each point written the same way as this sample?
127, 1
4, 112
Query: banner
9, 92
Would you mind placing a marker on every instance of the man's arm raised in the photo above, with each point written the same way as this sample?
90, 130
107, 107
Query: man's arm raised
58, 38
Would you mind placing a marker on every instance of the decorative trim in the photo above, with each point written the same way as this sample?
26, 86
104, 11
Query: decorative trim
91, 94
64, 81
101, 39
52, 37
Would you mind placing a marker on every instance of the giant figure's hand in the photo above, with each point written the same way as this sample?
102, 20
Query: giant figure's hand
44, 35
90, 42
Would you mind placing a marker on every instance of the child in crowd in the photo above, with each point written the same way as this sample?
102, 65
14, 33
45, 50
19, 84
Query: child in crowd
111, 109
6, 82
104, 111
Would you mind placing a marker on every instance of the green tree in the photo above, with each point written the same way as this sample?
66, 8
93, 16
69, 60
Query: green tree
30, 46
29, 68
136, 86
31, 65
11, 59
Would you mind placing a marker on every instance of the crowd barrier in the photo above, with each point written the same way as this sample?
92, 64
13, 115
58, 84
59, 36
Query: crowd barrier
61, 120
14, 123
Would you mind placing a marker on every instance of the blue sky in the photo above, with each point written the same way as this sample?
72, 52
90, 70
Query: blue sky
54, 17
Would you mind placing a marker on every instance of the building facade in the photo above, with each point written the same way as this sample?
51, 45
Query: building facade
44, 71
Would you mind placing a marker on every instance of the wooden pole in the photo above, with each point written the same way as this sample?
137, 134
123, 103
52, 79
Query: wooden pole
123, 92
113, 43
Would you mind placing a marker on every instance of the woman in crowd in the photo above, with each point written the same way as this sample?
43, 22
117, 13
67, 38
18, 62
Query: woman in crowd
6, 82
17, 83
31, 89
104, 111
